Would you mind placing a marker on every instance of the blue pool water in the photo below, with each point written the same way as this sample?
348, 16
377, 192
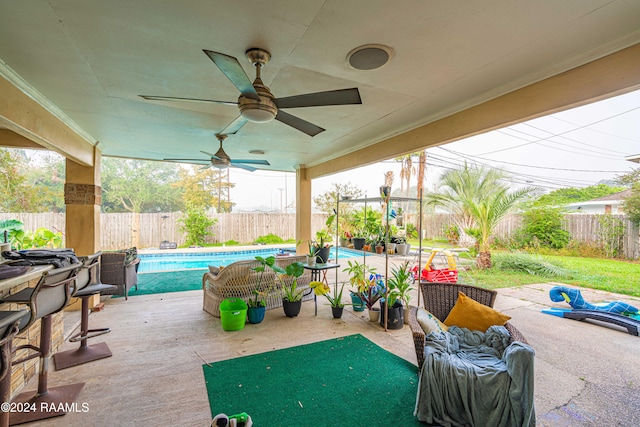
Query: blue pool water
169, 261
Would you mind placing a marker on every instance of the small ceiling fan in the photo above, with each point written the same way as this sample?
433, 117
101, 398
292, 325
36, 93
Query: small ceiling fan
256, 102
221, 160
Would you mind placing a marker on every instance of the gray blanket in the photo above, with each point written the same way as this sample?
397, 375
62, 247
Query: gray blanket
476, 379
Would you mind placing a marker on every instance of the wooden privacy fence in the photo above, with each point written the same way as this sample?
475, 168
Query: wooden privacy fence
120, 230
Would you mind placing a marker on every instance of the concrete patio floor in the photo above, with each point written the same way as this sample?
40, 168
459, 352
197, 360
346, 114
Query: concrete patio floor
586, 374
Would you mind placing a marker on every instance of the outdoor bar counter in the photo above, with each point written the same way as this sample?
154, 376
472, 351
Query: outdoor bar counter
23, 372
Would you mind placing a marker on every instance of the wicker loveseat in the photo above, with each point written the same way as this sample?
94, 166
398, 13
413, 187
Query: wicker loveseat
239, 280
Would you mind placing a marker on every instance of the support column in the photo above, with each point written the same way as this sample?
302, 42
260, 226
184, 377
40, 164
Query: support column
303, 208
83, 198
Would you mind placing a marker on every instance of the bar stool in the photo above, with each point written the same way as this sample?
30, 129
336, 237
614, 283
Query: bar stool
50, 295
11, 322
87, 284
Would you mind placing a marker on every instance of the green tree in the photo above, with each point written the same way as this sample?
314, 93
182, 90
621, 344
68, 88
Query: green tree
564, 196
47, 180
326, 202
16, 193
479, 197
631, 203
139, 186
205, 188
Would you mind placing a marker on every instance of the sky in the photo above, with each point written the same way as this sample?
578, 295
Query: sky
574, 148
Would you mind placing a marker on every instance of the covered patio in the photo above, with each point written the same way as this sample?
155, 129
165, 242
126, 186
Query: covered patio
585, 374
71, 80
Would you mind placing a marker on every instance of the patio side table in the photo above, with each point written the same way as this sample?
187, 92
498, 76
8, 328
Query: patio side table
316, 271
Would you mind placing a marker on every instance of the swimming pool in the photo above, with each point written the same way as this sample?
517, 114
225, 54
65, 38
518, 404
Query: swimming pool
173, 261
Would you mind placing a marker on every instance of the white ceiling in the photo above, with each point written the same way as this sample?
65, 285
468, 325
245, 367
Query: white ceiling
91, 59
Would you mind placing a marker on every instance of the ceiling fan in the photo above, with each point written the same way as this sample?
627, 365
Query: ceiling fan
221, 160
256, 102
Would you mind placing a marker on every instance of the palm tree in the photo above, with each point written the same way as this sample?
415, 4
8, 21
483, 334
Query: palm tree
479, 198
406, 171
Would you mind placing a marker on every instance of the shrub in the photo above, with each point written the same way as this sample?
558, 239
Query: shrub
611, 235
542, 227
411, 230
269, 239
196, 224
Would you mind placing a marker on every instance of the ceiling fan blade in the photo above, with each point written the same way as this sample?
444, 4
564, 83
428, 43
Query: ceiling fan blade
189, 160
192, 161
251, 162
231, 68
234, 126
297, 123
209, 154
319, 99
172, 98
241, 166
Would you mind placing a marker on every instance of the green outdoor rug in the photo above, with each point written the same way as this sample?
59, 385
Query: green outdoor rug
347, 381
170, 281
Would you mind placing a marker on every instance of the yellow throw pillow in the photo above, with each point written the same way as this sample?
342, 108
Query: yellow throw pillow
430, 323
470, 314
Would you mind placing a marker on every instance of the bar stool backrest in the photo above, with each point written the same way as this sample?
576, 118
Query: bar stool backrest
88, 273
53, 292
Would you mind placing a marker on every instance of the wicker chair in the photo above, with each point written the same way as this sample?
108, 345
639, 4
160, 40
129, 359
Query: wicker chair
114, 270
239, 280
439, 299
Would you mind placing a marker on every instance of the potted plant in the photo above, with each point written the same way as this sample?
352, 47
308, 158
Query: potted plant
402, 247
257, 305
371, 293
380, 242
367, 289
345, 239
322, 245
337, 306
291, 295
356, 272
400, 284
312, 255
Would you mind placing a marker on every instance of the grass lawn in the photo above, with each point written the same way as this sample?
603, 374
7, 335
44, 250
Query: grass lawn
610, 275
